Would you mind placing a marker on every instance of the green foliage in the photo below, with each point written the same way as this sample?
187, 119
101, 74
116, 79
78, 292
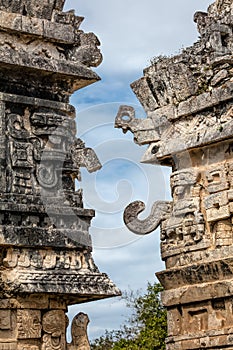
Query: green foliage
147, 327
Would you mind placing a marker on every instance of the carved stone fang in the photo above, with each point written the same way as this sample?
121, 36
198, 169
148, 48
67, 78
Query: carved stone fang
158, 213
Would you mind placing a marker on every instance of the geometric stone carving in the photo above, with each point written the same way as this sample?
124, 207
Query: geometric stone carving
217, 206
9, 346
27, 347
217, 179
29, 324
5, 319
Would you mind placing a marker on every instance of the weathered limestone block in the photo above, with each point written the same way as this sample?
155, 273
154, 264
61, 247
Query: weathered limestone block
172, 83
217, 179
144, 94
36, 41
5, 319
29, 324
32, 8
189, 102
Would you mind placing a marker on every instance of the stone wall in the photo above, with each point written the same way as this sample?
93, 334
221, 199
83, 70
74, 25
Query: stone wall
189, 127
46, 259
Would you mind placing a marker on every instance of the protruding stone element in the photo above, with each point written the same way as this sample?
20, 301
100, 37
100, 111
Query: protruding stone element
159, 212
188, 99
200, 19
79, 333
54, 326
143, 130
46, 261
84, 157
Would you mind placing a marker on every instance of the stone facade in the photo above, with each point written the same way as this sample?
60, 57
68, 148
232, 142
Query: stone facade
189, 127
45, 247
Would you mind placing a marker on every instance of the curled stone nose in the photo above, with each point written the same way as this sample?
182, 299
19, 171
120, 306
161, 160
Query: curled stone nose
33, 8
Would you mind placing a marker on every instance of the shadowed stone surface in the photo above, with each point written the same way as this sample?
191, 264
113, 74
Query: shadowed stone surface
189, 127
46, 259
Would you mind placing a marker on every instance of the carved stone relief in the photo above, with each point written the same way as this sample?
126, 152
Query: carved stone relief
54, 326
8, 346
216, 314
79, 333
29, 324
27, 347
49, 259
5, 320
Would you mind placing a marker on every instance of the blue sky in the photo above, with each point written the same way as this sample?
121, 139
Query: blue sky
131, 33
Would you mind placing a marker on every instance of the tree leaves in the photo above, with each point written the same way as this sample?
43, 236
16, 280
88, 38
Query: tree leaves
147, 327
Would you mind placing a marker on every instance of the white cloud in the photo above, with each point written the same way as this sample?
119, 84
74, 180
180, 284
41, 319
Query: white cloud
132, 32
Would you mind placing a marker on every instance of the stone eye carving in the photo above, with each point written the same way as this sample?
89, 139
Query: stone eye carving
47, 176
